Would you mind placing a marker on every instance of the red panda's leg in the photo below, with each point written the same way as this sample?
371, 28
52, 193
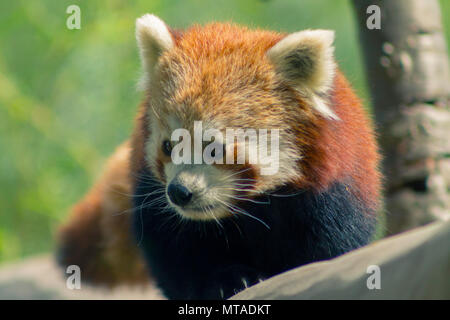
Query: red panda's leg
97, 235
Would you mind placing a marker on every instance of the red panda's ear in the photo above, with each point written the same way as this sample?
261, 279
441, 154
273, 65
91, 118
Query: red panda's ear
153, 38
305, 59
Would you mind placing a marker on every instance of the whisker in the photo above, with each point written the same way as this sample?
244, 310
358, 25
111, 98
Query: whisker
242, 211
143, 205
209, 211
244, 184
139, 195
286, 195
247, 199
241, 190
236, 173
131, 210
141, 219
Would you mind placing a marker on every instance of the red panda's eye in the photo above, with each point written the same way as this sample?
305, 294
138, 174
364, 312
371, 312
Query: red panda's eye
167, 147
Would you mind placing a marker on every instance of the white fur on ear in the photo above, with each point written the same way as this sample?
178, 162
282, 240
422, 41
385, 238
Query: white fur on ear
305, 59
153, 38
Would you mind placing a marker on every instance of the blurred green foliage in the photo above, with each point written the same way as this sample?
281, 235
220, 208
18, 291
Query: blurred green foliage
68, 97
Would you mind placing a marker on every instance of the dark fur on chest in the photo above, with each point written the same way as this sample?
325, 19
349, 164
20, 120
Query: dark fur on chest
205, 260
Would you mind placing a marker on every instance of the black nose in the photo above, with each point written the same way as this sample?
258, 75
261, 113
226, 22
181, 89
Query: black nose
179, 194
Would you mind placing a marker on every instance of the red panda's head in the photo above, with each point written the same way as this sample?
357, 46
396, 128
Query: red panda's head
219, 77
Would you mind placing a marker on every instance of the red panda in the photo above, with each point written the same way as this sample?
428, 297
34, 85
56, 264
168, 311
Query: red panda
207, 231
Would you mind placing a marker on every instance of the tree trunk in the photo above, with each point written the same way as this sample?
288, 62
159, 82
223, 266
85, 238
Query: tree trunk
409, 79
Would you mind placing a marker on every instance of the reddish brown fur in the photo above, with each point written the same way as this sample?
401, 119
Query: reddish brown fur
344, 148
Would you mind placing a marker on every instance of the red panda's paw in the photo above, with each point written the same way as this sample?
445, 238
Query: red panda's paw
230, 281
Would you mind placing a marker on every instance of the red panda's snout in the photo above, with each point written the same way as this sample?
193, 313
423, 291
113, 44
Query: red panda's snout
201, 191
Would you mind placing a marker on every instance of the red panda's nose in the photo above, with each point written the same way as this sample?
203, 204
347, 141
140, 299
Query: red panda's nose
179, 194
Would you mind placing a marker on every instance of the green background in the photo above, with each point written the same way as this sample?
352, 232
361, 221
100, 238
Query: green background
68, 97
